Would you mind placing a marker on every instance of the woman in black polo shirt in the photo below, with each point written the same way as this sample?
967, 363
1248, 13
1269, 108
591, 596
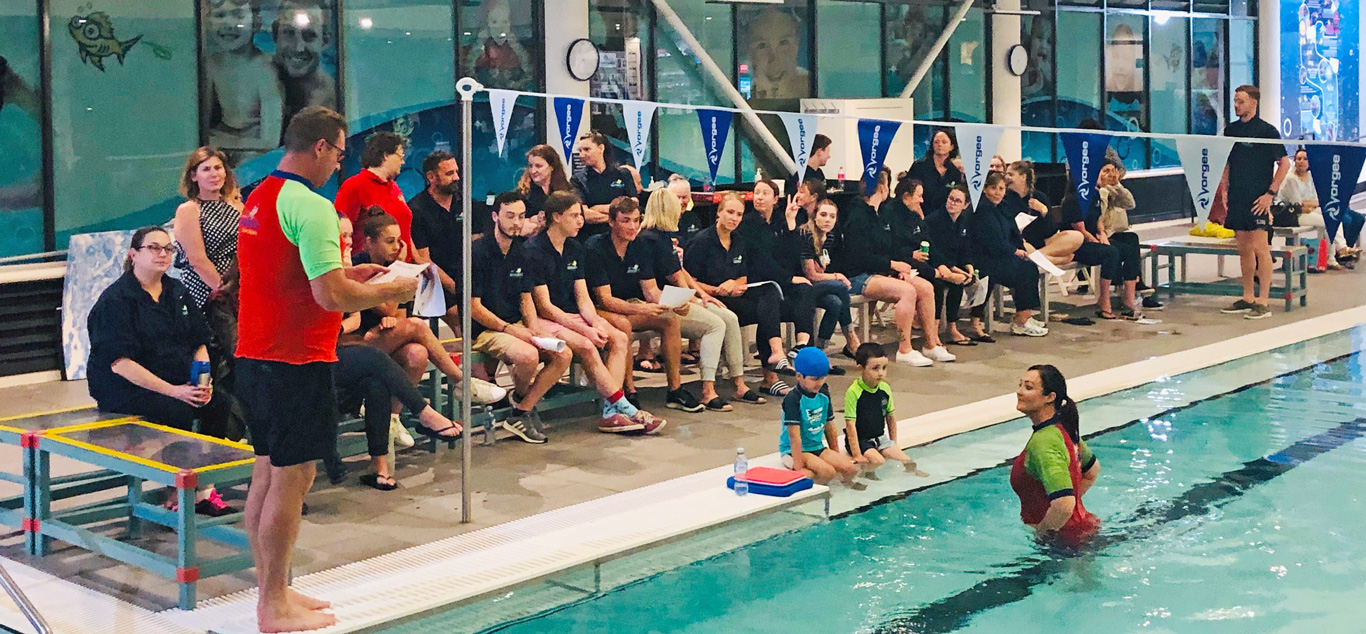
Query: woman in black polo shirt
1045, 233
718, 260
999, 251
951, 259
939, 169
543, 176
600, 182
770, 230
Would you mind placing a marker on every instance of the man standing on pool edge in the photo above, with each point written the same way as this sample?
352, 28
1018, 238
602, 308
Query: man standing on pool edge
1056, 467
293, 291
1254, 174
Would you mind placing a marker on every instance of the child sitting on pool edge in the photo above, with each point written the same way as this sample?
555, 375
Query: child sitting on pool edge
870, 416
808, 424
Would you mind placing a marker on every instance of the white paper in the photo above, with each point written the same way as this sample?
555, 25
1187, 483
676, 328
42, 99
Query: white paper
975, 294
549, 343
1044, 264
398, 270
775, 285
674, 297
430, 300
1147, 321
1023, 219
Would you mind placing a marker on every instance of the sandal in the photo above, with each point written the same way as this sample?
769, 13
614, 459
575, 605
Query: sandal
440, 434
649, 365
778, 388
849, 354
751, 398
783, 368
372, 480
1107, 315
963, 342
983, 338
1131, 315
719, 404
688, 358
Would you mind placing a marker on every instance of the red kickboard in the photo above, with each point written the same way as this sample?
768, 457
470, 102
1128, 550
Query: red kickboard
773, 477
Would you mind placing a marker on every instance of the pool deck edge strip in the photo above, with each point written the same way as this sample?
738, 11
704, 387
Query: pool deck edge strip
74, 609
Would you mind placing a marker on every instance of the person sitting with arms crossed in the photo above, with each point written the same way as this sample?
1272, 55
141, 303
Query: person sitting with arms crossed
438, 228
600, 182
999, 252
504, 321
1096, 249
809, 431
1115, 202
870, 417
556, 263
616, 265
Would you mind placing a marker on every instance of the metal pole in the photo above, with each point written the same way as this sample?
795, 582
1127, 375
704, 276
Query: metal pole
466, 87
30, 612
938, 47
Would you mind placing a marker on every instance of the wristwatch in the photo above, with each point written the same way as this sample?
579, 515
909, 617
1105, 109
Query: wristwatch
1271, 193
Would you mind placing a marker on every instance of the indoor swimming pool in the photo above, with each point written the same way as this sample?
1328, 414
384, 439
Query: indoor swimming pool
1229, 512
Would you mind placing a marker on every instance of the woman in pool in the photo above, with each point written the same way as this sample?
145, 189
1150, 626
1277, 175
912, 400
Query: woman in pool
1056, 467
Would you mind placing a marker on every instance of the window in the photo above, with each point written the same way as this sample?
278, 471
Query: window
1242, 60
681, 78
1124, 82
21, 141
1078, 75
500, 46
773, 46
849, 60
1168, 90
1037, 86
1207, 76
114, 167
910, 32
966, 56
620, 28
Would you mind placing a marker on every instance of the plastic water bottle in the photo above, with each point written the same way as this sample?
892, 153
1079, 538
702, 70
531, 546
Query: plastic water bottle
741, 467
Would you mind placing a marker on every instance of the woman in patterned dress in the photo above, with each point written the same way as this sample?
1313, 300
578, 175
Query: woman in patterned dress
205, 225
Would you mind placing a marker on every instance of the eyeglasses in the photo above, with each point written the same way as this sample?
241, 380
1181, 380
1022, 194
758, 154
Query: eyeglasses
157, 249
341, 151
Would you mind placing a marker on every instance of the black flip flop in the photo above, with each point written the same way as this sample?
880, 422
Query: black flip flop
372, 480
778, 388
719, 404
641, 367
983, 338
849, 354
750, 397
1107, 315
783, 368
435, 434
963, 342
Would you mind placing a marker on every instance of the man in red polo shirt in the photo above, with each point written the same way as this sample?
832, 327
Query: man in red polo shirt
294, 290
382, 159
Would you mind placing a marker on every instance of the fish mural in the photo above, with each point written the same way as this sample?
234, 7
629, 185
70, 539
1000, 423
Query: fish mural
94, 35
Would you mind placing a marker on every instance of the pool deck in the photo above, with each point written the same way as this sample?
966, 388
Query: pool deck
512, 481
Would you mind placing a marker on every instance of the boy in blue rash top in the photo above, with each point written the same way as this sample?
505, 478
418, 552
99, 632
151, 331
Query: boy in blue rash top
809, 431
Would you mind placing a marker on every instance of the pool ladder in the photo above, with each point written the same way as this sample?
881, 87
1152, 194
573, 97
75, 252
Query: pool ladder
21, 600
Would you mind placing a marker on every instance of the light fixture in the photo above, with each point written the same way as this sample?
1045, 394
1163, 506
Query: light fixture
301, 19
367, 23
1161, 17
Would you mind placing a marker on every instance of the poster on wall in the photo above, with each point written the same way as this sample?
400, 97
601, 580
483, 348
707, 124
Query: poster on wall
775, 58
1320, 42
264, 60
1207, 77
500, 50
21, 208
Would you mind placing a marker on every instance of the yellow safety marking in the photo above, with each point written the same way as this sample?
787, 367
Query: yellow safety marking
20, 430
99, 424
115, 454
57, 435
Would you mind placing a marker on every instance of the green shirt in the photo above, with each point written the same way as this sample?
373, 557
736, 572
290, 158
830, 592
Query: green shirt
1046, 459
869, 408
310, 222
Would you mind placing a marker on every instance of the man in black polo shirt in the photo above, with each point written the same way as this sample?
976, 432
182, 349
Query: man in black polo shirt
819, 156
556, 264
437, 228
504, 319
616, 263
1253, 176
599, 183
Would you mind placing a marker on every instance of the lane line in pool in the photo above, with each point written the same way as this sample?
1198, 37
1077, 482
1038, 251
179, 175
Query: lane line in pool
954, 612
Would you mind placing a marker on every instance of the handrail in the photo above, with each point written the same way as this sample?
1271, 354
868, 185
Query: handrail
21, 600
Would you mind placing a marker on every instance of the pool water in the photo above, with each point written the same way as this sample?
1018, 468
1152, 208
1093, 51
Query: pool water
1229, 514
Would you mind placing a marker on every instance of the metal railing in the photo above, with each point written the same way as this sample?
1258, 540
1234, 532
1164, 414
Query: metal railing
21, 600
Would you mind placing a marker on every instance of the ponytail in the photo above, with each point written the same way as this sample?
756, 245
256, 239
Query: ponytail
1051, 381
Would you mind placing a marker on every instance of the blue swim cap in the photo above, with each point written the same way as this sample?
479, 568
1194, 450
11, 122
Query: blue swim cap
811, 362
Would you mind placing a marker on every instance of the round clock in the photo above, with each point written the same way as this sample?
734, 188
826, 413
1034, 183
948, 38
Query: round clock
1017, 60
582, 60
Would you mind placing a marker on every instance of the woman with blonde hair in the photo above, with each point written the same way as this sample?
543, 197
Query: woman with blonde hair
205, 225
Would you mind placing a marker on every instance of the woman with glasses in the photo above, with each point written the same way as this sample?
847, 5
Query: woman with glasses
952, 261
205, 225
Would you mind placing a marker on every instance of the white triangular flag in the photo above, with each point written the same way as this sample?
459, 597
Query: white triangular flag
977, 144
801, 131
638, 115
1203, 158
502, 103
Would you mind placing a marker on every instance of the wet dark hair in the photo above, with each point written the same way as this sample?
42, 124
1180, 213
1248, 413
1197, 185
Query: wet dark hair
139, 237
1052, 382
380, 145
867, 352
373, 221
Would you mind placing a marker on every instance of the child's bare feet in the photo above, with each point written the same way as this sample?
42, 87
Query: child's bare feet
914, 470
871, 475
857, 486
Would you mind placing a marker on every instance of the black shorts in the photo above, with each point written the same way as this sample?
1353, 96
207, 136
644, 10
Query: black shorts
1241, 218
291, 410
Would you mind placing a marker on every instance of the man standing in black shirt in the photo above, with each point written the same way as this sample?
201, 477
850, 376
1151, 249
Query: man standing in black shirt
820, 155
599, 183
437, 228
504, 319
1253, 176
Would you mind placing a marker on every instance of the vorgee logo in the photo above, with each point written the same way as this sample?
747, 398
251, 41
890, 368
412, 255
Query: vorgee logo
1084, 180
871, 168
639, 148
568, 120
503, 117
801, 144
977, 165
713, 149
1334, 205
1204, 198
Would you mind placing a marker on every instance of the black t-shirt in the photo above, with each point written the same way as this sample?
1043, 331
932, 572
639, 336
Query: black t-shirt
937, 185
1252, 166
557, 270
621, 273
161, 336
1071, 213
690, 224
908, 230
499, 278
712, 263
824, 259
658, 259
439, 230
601, 188
952, 246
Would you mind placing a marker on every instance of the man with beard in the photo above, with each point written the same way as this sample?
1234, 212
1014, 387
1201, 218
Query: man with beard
437, 227
301, 32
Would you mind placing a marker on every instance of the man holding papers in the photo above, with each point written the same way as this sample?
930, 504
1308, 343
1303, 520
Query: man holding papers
503, 318
614, 273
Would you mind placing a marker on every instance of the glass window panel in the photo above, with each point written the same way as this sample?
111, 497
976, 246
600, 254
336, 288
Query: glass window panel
966, 58
21, 140
1207, 76
1242, 53
910, 32
1079, 68
680, 78
1320, 67
773, 46
114, 167
500, 47
620, 30
848, 58
1211, 6
1037, 85
1124, 77
1168, 93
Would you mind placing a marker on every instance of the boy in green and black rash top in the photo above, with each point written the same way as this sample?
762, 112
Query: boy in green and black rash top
870, 417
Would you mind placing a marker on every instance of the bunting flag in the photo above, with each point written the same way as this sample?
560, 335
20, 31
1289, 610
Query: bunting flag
569, 112
1085, 155
501, 103
1336, 169
1203, 158
638, 115
715, 128
977, 144
801, 130
874, 138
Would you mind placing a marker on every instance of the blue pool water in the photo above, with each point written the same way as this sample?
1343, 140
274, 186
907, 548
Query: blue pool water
1231, 514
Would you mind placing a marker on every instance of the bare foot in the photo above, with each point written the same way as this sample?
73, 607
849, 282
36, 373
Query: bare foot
304, 601
292, 619
914, 470
870, 475
857, 486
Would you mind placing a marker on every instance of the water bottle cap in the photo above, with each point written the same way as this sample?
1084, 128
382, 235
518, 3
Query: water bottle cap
740, 450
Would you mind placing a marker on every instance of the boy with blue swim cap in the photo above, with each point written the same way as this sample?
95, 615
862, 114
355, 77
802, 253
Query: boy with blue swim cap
809, 431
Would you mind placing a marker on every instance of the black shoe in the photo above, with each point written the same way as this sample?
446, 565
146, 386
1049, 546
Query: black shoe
519, 427
1151, 303
837, 371
634, 399
682, 399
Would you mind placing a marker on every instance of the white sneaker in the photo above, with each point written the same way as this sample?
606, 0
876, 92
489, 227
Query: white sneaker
1038, 323
913, 358
483, 392
1029, 329
940, 354
402, 438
